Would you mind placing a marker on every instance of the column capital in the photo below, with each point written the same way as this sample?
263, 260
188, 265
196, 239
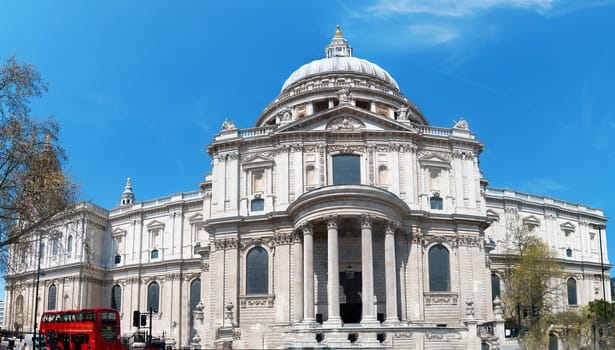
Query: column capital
392, 226
331, 221
307, 228
366, 221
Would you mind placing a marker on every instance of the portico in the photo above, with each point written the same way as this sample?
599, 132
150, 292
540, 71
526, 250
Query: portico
365, 220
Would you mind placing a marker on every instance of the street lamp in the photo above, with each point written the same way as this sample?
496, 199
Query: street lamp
38, 277
599, 228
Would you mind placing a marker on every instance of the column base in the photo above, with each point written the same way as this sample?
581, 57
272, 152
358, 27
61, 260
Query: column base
368, 339
333, 322
391, 322
306, 324
336, 339
370, 321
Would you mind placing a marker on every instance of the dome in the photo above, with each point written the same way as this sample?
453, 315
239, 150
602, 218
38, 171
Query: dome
340, 65
338, 59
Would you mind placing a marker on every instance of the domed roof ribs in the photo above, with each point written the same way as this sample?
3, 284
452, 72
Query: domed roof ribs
338, 47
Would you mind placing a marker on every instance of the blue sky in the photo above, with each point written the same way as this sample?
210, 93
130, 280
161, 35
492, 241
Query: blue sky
141, 87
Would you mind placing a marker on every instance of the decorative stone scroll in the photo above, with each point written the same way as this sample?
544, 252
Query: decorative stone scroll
441, 298
469, 241
226, 243
256, 301
286, 238
346, 148
252, 241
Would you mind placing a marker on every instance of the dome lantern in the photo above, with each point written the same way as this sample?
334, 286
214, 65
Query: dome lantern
338, 47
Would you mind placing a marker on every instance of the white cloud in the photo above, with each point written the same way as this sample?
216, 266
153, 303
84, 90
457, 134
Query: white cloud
432, 33
452, 8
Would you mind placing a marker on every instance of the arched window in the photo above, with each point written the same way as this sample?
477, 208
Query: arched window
569, 253
257, 271
51, 297
346, 169
154, 254
69, 244
54, 246
495, 286
439, 269
116, 297
153, 296
195, 293
19, 306
572, 291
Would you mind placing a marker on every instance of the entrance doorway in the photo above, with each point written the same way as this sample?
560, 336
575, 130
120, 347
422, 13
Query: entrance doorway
350, 311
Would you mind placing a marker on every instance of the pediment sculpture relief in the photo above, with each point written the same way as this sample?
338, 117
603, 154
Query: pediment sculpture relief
345, 123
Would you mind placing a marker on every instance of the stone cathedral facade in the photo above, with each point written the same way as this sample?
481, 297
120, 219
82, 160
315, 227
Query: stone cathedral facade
341, 219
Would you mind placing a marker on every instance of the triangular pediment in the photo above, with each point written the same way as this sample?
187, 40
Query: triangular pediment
195, 218
119, 232
257, 161
434, 160
155, 225
346, 118
567, 226
493, 214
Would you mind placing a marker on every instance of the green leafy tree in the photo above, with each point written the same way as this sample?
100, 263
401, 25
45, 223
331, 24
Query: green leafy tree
33, 187
532, 279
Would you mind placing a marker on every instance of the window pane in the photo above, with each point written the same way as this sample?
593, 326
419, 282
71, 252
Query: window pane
51, 298
116, 297
69, 244
153, 296
572, 291
257, 204
118, 259
346, 169
435, 202
257, 271
439, 273
54, 247
154, 254
495, 286
195, 293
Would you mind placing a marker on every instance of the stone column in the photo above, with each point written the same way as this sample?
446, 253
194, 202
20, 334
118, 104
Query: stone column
367, 267
333, 280
308, 273
390, 274
298, 277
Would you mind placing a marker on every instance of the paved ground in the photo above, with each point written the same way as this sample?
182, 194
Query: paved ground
509, 344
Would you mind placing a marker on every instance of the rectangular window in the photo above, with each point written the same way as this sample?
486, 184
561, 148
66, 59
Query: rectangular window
257, 204
346, 169
435, 202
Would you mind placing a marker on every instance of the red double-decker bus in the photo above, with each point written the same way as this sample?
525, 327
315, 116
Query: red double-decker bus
85, 329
